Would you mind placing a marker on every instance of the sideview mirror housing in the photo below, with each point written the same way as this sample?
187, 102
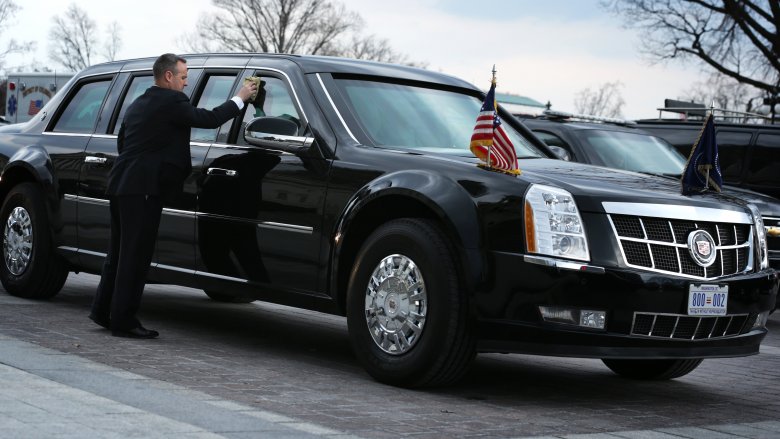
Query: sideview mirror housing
276, 133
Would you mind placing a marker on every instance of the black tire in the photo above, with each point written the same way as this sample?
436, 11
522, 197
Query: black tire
444, 348
652, 369
227, 298
44, 273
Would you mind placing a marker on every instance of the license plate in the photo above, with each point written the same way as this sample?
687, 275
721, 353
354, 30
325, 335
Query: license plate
708, 300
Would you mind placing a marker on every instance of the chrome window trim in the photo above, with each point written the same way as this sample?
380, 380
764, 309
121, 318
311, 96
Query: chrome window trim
66, 134
677, 211
248, 148
204, 144
289, 82
105, 136
338, 113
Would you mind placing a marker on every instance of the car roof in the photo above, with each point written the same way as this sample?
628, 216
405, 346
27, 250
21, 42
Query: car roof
307, 63
536, 123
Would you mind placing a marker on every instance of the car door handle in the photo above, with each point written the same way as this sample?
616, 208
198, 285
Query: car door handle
93, 159
222, 171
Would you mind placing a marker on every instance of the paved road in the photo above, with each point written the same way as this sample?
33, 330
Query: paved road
261, 370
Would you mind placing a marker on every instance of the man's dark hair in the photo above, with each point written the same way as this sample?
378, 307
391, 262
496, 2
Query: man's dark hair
165, 62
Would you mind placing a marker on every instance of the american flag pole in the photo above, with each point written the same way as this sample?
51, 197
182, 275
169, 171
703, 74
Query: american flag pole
490, 147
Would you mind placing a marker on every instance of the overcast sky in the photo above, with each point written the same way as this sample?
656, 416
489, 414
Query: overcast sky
547, 50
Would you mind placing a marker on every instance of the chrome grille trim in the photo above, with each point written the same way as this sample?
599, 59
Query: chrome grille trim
730, 325
640, 254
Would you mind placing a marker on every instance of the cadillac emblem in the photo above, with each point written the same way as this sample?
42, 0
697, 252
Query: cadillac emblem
702, 247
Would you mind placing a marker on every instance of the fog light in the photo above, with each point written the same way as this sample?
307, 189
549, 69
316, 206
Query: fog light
592, 319
761, 320
568, 316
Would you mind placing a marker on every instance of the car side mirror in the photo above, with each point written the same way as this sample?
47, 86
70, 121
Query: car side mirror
559, 152
276, 133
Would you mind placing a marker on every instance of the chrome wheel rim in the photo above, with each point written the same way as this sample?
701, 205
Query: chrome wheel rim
396, 304
18, 241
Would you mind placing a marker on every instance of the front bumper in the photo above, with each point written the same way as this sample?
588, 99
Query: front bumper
509, 319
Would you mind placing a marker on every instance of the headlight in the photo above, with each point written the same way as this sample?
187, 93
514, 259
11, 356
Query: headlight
553, 225
760, 232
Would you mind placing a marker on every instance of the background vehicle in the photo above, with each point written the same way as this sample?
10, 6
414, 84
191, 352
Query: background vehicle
621, 145
27, 93
749, 152
350, 189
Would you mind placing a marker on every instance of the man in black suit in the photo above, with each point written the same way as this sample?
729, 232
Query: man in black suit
153, 161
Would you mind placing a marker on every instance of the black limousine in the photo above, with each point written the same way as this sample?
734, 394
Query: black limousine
349, 188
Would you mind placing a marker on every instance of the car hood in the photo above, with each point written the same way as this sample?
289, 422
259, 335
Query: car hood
12, 128
593, 185
768, 206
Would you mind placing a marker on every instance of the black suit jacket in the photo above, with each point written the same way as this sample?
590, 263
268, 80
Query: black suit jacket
154, 142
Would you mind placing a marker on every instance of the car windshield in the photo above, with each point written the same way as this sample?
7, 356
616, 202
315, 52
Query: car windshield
634, 152
420, 118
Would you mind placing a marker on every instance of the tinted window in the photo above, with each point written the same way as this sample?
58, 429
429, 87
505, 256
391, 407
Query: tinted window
765, 161
732, 148
81, 113
216, 92
138, 86
420, 118
633, 152
277, 103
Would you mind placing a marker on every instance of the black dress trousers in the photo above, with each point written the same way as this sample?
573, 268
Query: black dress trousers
134, 223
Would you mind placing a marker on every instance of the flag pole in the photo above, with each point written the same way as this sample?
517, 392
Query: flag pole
707, 174
490, 147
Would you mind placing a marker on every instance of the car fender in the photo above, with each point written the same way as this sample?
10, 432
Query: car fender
441, 197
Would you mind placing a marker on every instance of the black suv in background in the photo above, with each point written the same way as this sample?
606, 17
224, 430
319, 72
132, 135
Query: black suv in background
620, 145
749, 153
350, 189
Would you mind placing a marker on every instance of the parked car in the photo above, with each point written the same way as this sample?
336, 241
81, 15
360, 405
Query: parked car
749, 152
621, 145
350, 189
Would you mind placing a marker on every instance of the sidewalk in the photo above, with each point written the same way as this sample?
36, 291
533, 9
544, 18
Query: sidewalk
45, 394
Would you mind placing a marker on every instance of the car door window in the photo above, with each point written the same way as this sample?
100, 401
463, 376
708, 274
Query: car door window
274, 100
765, 161
732, 147
81, 113
138, 86
216, 91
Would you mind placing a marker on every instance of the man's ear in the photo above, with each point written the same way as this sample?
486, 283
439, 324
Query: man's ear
168, 76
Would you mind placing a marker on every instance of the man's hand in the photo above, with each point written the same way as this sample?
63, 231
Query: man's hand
247, 91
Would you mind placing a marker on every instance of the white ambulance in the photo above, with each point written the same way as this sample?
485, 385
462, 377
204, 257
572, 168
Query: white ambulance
27, 93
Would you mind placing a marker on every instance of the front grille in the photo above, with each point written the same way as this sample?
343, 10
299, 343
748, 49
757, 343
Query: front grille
660, 244
684, 327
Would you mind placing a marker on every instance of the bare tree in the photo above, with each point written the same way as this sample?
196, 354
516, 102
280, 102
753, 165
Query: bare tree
315, 27
736, 38
74, 38
725, 93
114, 41
605, 101
8, 8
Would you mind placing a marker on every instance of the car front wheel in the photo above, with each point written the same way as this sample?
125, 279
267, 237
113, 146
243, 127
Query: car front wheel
407, 311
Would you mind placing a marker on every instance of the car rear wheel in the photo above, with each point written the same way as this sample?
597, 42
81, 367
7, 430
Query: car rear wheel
407, 311
30, 268
652, 369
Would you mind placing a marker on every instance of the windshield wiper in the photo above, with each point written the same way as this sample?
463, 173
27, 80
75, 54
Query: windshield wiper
663, 174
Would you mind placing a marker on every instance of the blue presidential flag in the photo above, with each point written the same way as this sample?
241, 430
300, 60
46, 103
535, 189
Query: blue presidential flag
703, 168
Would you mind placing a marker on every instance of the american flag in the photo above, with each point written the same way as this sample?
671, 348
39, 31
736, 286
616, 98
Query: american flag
35, 106
489, 141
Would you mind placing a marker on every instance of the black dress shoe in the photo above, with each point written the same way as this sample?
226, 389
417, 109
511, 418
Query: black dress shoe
139, 332
104, 322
